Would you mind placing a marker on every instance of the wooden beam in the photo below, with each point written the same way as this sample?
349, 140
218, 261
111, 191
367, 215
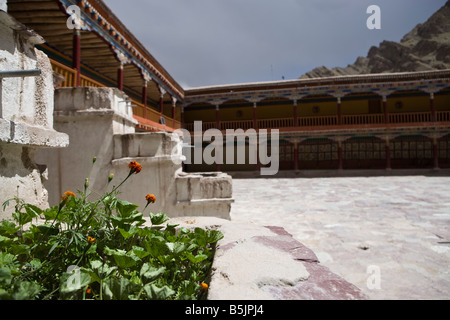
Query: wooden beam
32, 6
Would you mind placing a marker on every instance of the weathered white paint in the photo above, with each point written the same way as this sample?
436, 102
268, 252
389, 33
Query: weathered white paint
100, 124
3, 5
26, 115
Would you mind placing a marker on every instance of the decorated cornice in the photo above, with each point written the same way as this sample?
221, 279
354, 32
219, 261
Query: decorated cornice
299, 89
92, 20
430, 131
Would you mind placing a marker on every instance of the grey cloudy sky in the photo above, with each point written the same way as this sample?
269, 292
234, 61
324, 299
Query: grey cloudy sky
213, 42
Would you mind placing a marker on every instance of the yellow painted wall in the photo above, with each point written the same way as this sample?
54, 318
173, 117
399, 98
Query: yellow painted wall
285, 110
355, 106
229, 114
442, 102
305, 109
205, 115
410, 104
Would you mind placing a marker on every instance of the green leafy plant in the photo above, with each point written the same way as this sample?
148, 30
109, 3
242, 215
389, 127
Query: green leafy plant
103, 249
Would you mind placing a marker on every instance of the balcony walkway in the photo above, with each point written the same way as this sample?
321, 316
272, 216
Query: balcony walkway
149, 119
319, 123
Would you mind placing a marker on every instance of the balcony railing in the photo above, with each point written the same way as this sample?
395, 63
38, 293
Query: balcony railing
330, 122
145, 114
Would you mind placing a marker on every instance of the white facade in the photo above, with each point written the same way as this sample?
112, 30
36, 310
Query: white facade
100, 124
26, 114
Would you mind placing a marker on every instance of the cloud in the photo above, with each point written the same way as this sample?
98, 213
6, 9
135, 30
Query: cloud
207, 42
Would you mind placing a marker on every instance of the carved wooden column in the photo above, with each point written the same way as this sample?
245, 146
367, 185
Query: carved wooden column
162, 92
120, 77
76, 56
295, 113
217, 116
144, 98
435, 153
182, 115
146, 79
339, 110
432, 107
385, 110
255, 115
388, 152
174, 104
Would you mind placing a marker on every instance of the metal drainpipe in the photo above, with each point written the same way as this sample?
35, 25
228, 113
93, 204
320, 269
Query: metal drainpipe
20, 73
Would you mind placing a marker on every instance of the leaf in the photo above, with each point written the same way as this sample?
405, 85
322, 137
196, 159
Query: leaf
200, 237
48, 230
122, 258
8, 227
213, 236
125, 208
20, 249
51, 213
118, 289
126, 234
140, 252
158, 218
157, 293
73, 281
26, 291
149, 273
32, 210
22, 218
5, 276
196, 259
155, 246
176, 247
5, 241
102, 269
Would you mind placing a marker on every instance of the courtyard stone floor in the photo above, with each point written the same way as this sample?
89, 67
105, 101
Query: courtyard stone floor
389, 236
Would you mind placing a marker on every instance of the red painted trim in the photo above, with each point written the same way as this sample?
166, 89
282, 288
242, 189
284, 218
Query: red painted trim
120, 78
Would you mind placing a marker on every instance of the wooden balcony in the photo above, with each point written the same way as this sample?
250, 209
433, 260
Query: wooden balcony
331, 122
148, 118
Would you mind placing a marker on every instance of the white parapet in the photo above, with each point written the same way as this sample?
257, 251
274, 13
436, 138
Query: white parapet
4, 5
26, 114
100, 124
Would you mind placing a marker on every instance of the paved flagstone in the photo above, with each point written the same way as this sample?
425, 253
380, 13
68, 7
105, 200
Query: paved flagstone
389, 236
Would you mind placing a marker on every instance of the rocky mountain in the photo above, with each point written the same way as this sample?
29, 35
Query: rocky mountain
426, 47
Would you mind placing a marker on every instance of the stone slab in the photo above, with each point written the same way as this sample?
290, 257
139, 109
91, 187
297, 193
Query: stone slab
266, 263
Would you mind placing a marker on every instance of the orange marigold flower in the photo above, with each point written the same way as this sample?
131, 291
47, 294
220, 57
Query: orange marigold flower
150, 198
91, 240
66, 195
135, 167
204, 286
88, 289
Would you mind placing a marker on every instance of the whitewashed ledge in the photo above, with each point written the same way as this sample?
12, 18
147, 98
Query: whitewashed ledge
266, 263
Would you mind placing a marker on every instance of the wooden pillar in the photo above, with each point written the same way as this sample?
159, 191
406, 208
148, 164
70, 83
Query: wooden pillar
339, 110
432, 107
385, 110
435, 153
174, 104
295, 114
340, 156
76, 56
182, 116
144, 98
217, 117
388, 154
120, 77
296, 155
255, 116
